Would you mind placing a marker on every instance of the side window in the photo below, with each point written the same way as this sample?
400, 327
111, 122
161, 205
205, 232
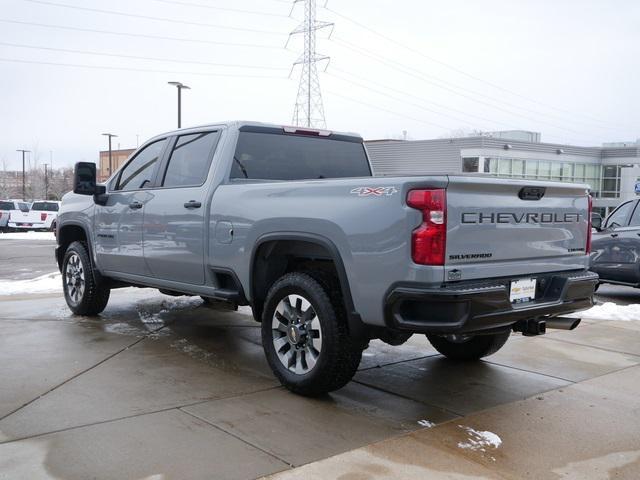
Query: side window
141, 169
635, 218
619, 217
190, 160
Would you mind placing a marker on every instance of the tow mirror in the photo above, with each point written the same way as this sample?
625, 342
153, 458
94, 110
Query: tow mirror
84, 178
596, 221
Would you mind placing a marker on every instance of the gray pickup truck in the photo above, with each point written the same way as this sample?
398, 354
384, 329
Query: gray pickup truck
291, 222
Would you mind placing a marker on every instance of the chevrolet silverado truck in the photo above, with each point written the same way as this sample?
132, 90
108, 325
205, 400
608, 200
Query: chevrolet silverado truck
291, 222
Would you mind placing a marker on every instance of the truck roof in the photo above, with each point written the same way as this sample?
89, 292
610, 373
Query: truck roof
242, 123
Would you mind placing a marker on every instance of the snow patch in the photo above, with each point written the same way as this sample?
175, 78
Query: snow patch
611, 311
479, 440
28, 236
426, 423
51, 282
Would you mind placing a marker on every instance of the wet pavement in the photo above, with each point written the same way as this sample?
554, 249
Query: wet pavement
21, 260
167, 388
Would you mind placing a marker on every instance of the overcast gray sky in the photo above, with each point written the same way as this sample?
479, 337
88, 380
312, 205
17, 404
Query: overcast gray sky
567, 69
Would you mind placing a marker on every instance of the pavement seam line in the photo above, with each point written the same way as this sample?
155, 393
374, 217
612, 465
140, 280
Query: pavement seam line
81, 373
529, 371
375, 387
237, 437
128, 417
395, 363
589, 345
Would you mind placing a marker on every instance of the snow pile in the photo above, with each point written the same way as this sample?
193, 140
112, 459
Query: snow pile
611, 311
479, 440
28, 236
51, 282
172, 303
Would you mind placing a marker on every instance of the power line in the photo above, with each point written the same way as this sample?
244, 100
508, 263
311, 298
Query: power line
415, 105
460, 71
439, 83
136, 57
224, 9
379, 92
149, 17
377, 107
142, 35
131, 69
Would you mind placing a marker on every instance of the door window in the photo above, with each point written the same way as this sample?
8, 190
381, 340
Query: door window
190, 160
619, 217
635, 218
140, 171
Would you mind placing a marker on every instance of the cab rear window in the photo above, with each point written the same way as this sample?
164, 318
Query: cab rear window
277, 156
45, 206
6, 205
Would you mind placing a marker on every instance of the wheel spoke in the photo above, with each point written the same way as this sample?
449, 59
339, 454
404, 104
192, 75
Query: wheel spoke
299, 369
311, 357
280, 342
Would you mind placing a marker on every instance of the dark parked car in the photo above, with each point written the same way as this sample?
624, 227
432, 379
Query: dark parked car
616, 246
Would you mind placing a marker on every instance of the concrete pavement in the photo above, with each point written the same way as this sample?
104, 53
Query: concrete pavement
163, 387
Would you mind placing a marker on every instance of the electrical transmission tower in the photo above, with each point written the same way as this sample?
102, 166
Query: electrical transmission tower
309, 111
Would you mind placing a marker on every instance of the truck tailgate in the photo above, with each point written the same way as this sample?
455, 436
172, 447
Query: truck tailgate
499, 227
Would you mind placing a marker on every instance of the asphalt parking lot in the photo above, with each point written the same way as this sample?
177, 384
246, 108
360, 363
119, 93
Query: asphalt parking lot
164, 387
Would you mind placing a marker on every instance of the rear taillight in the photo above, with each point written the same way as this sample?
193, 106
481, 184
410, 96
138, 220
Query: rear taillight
43, 217
590, 209
429, 240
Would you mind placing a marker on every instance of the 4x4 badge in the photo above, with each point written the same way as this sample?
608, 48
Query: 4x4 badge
375, 191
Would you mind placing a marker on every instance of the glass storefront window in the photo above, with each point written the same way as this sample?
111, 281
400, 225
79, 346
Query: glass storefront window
517, 167
544, 169
504, 166
596, 176
531, 168
470, 164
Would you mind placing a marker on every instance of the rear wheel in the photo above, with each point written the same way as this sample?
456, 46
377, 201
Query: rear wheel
305, 336
469, 347
83, 295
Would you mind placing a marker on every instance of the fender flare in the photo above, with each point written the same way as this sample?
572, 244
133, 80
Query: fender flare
356, 325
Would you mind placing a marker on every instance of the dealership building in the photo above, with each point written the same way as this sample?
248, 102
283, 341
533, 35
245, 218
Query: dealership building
611, 170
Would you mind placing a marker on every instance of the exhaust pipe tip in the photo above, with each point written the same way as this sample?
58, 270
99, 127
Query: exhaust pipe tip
563, 323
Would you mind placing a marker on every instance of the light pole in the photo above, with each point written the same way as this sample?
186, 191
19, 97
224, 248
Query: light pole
23, 176
179, 86
110, 135
46, 183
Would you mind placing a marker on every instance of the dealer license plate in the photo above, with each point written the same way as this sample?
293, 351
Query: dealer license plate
523, 290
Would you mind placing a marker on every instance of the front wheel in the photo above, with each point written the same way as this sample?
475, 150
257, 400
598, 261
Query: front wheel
471, 347
305, 336
82, 293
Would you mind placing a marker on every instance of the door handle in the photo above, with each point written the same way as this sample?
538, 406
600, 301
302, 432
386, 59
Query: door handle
192, 204
614, 235
135, 205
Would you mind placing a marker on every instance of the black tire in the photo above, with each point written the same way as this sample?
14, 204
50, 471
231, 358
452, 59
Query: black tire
337, 360
471, 348
84, 297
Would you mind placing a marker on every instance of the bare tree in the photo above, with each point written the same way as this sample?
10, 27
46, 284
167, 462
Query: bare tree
462, 133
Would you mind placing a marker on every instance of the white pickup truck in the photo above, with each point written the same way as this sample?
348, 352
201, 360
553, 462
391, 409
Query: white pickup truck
41, 216
8, 206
